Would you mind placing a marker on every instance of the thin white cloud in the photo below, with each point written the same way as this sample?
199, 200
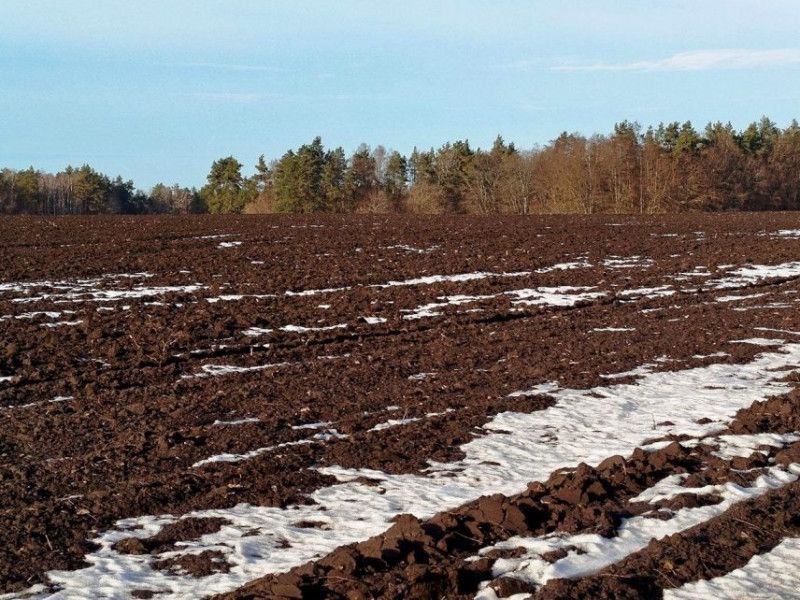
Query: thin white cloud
242, 98
222, 66
701, 60
251, 97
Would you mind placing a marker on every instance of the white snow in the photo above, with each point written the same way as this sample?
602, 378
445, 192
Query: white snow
714, 355
315, 292
777, 330
88, 290
632, 535
60, 323
770, 576
394, 423
301, 329
655, 292
568, 266
238, 421
460, 277
629, 262
313, 425
420, 376
234, 297
411, 248
324, 436
738, 298
732, 446
31, 315
374, 320
516, 449
256, 331
432, 309
218, 370
760, 341
789, 233
752, 274
227, 457
554, 296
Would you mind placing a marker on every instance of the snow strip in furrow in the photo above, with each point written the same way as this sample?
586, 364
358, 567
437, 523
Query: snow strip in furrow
596, 552
549, 296
583, 426
770, 576
582, 263
554, 296
630, 262
432, 309
633, 535
788, 233
752, 274
426, 280
219, 370
460, 277
325, 436
302, 329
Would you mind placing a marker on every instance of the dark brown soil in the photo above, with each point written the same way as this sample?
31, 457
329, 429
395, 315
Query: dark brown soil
105, 417
586, 500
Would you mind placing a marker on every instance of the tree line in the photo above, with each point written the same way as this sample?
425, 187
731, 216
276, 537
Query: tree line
84, 191
669, 168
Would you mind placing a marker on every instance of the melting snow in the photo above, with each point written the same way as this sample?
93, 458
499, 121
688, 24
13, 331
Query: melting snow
633, 534
60, 323
232, 297
374, 320
790, 233
752, 274
431, 279
432, 309
630, 262
238, 421
759, 342
554, 296
411, 248
656, 292
770, 576
315, 292
313, 425
256, 331
737, 298
217, 370
420, 376
580, 264
517, 448
300, 329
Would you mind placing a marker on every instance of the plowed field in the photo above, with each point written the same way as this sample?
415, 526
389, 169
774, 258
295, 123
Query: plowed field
363, 407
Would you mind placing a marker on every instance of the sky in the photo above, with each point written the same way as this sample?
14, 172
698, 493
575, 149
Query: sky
156, 90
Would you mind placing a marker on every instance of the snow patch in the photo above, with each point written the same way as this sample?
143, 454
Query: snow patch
769, 576
219, 370
632, 535
516, 449
374, 320
301, 329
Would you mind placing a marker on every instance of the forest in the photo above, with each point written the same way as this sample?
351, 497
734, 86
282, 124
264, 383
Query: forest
669, 168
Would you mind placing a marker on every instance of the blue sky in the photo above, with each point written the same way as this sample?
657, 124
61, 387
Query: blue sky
157, 90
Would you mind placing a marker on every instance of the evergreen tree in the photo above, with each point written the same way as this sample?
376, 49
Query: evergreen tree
224, 191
